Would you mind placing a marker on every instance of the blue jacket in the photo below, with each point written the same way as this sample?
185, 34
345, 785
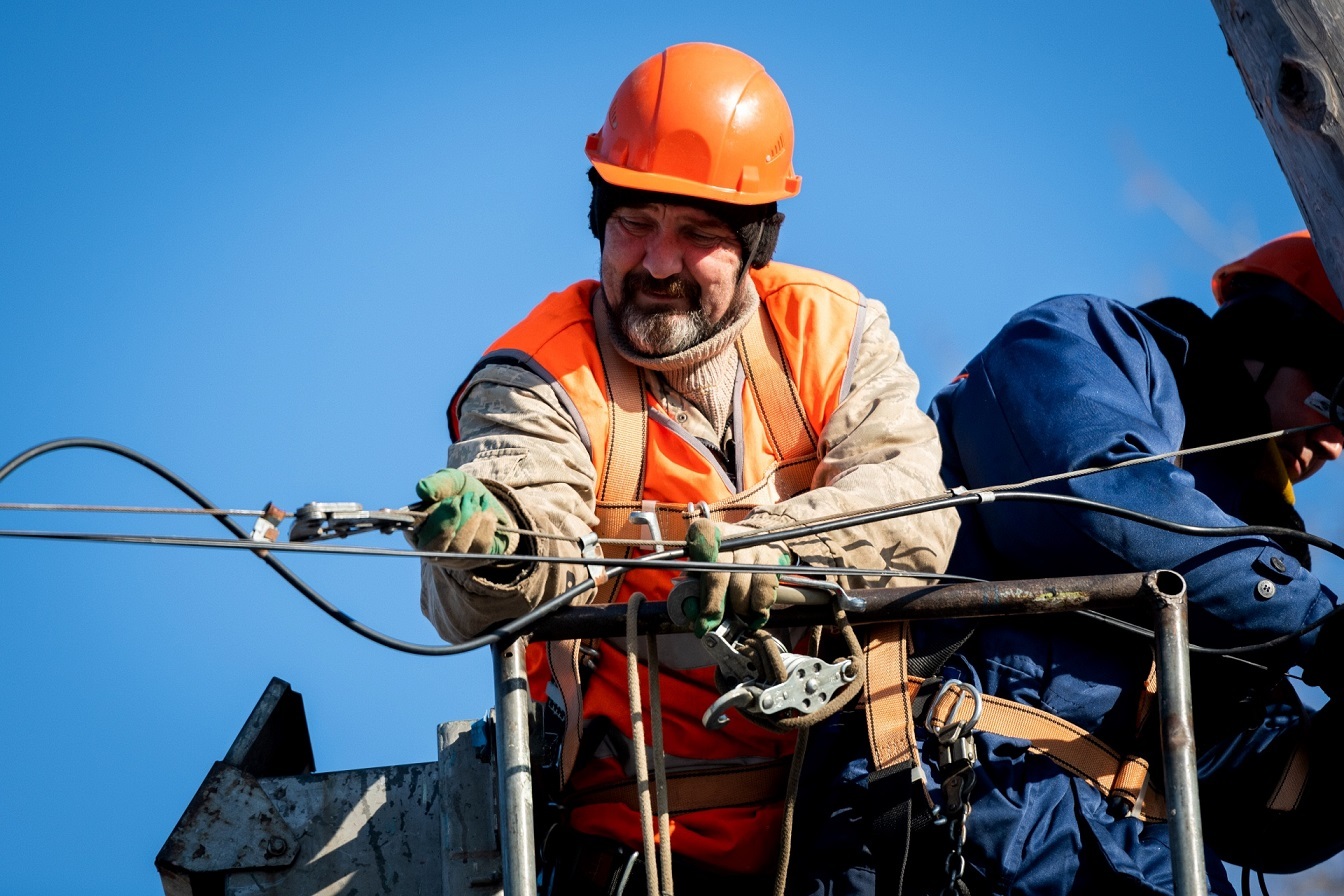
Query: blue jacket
1074, 382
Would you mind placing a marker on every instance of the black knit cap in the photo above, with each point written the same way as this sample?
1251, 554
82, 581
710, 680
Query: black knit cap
756, 226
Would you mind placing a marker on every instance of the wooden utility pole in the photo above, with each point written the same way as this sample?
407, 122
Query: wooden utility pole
1291, 56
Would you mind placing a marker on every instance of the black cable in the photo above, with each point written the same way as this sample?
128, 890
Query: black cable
1169, 525
507, 631
1201, 532
647, 561
514, 627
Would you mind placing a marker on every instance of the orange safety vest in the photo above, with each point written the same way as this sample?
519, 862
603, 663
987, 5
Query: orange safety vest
797, 356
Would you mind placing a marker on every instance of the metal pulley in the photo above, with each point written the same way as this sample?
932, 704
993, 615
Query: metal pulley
800, 683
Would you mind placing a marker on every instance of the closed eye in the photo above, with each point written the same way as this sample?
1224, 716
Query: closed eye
634, 226
705, 239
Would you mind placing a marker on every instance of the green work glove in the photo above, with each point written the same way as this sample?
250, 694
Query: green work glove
748, 595
463, 519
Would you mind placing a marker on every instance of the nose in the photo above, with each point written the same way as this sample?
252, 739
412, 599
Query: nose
662, 255
1330, 442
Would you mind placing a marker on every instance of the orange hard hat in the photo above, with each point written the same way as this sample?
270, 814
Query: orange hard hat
699, 120
1291, 258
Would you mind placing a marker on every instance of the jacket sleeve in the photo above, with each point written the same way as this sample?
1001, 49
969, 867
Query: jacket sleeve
877, 448
516, 438
1079, 382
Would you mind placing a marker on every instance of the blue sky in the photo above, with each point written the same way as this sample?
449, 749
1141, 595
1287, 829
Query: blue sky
262, 243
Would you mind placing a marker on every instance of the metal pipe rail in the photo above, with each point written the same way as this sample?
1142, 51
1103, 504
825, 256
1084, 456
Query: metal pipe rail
1162, 592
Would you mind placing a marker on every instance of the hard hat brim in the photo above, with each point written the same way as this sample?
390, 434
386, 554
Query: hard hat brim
678, 186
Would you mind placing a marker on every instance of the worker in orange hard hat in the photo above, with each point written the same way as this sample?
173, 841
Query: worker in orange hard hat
695, 372
1062, 774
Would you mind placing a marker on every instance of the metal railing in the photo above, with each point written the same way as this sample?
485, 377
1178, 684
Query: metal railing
1162, 592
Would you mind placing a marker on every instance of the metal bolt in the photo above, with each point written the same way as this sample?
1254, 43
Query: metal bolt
275, 847
1278, 564
767, 701
1265, 589
812, 686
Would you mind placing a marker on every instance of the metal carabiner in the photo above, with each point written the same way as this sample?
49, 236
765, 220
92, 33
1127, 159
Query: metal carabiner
950, 730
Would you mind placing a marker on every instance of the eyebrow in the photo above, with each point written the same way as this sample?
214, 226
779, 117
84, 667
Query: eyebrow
698, 217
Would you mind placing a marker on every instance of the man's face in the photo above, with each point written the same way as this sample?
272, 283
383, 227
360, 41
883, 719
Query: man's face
670, 274
1306, 452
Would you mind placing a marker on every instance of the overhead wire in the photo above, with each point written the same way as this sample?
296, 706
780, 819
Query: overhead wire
121, 508
261, 547
648, 561
663, 559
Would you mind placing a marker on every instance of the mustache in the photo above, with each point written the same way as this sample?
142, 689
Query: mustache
678, 286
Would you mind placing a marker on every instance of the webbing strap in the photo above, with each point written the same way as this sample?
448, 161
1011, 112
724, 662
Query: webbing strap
896, 781
1292, 783
891, 722
621, 478
1069, 746
693, 790
622, 475
786, 423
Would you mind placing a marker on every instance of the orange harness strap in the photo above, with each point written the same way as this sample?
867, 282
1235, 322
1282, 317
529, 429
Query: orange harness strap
889, 695
693, 790
786, 425
1069, 746
622, 476
1086, 756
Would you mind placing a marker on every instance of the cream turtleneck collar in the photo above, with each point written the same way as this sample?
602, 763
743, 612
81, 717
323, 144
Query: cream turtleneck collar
706, 372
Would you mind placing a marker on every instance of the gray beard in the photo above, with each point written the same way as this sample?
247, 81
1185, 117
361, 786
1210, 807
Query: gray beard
657, 334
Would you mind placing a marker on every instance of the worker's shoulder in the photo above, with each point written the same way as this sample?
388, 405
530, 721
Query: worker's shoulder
1082, 313
779, 277
1079, 303
553, 316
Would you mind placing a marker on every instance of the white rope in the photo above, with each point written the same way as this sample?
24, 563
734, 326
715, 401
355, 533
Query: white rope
637, 735
659, 763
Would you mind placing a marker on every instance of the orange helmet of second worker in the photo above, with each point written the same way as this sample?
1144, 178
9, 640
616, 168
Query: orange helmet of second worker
699, 120
1291, 258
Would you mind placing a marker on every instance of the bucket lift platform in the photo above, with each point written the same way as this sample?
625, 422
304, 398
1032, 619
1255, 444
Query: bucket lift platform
265, 821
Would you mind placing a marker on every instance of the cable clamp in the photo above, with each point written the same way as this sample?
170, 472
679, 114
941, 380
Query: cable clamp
588, 548
267, 525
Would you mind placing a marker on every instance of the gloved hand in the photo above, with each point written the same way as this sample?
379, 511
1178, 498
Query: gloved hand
463, 519
748, 595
